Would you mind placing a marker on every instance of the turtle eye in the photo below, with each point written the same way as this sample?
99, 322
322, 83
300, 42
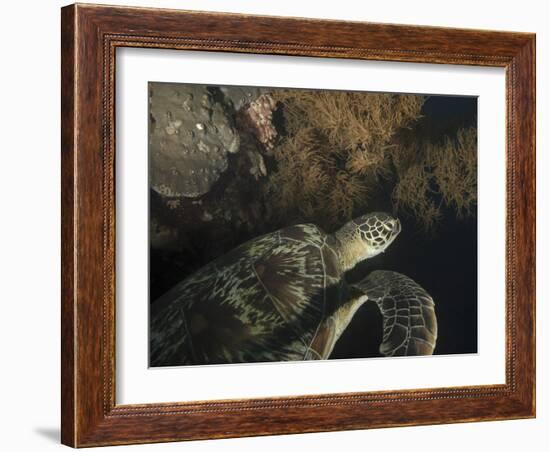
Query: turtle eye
388, 226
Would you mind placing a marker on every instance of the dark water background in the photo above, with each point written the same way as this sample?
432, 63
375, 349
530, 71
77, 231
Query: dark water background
443, 261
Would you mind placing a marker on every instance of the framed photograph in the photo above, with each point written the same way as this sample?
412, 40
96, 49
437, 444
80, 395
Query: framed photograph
280, 225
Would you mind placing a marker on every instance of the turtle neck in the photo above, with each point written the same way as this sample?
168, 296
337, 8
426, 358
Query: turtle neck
351, 249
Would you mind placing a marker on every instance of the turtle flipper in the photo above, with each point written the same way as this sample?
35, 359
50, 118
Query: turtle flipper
410, 323
322, 344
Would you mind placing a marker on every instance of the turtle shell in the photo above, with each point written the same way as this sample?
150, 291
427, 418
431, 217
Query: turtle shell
262, 301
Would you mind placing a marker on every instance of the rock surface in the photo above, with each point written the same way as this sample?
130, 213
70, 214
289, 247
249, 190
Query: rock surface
241, 96
190, 136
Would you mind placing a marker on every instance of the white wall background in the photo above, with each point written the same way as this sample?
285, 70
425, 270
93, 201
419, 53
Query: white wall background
29, 225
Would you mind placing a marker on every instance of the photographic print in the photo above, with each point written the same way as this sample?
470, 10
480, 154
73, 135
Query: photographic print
294, 224
327, 197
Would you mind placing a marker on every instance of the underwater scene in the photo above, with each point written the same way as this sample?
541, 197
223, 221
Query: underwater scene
293, 224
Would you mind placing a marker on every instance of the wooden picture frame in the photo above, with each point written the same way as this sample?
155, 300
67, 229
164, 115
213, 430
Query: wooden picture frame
90, 36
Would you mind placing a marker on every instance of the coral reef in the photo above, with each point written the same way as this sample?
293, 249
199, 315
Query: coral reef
257, 164
259, 116
190, 136
230, 163
254, 118
338, 145
431, 175
345, 151
204, 180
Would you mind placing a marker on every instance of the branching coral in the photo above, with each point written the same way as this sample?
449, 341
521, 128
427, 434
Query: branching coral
442, 174
338, 144
455, 170
413, 193
302, 175
341, 147
351, 121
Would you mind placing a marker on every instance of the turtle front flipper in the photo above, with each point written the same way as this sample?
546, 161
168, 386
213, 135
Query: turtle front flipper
410, 323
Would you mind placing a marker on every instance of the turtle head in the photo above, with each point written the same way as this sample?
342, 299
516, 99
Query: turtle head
365, 237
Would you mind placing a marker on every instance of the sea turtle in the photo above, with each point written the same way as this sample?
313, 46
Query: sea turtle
283, 296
